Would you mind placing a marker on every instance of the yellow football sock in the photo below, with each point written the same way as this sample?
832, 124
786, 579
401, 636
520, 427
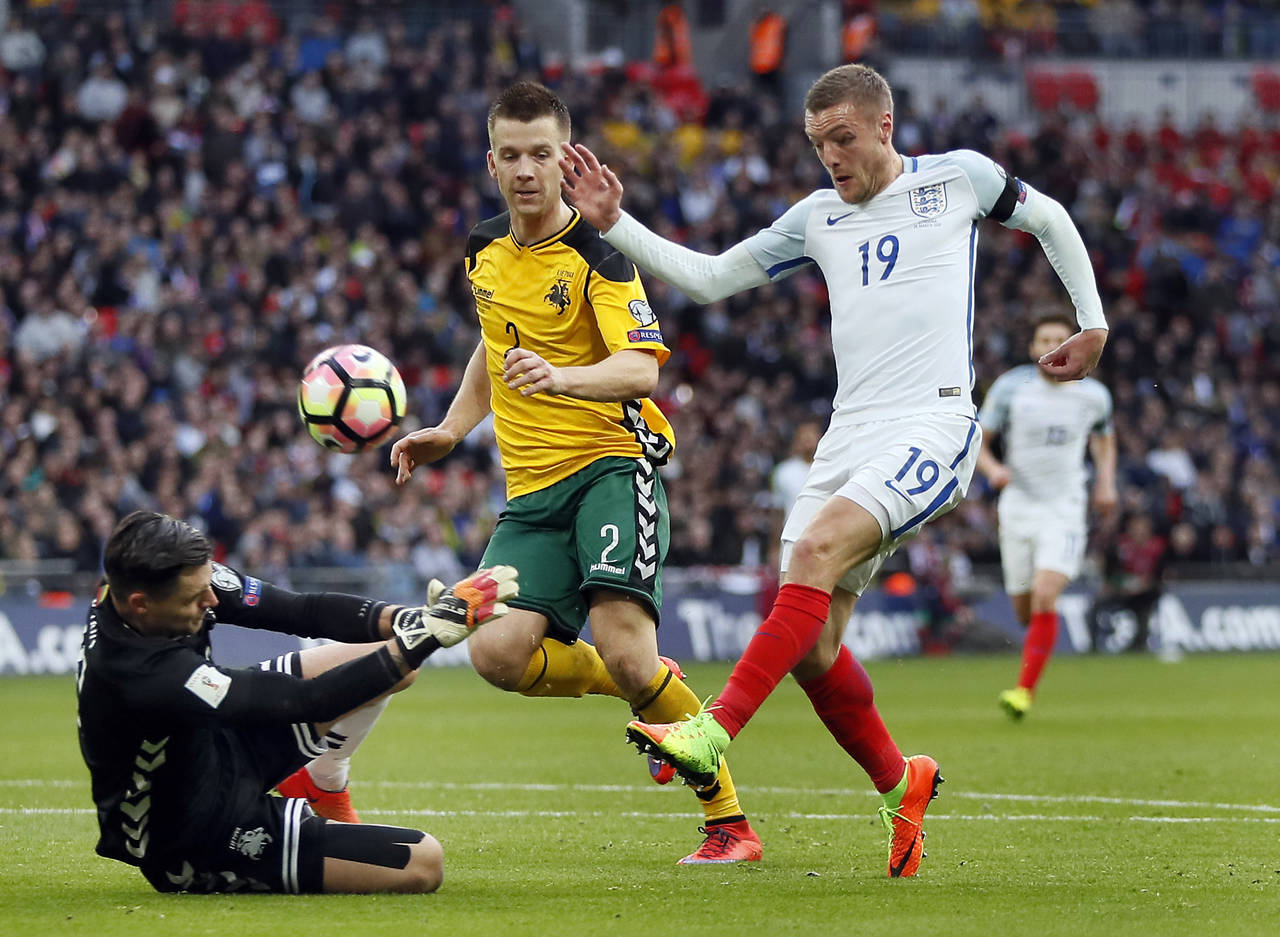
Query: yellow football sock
557, 669
667, 699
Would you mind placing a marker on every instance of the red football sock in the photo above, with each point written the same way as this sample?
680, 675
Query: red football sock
792, 628
844, 701
1037, 647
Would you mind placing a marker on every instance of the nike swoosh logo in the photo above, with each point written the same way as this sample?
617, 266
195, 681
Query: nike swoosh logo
896, 871
832, 221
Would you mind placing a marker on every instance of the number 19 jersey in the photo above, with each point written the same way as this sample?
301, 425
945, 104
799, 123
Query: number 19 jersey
899, 270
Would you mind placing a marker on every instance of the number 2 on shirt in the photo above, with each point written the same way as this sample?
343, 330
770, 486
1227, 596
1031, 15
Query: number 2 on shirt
927, 473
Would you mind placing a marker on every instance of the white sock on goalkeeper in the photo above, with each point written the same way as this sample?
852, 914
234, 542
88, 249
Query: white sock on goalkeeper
331, 770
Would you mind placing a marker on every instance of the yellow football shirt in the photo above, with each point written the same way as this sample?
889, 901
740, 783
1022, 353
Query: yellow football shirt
574, 300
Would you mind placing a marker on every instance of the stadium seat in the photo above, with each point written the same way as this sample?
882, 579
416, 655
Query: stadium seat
681, 88
1044, 90
1081, 89
1266, 89
639, 72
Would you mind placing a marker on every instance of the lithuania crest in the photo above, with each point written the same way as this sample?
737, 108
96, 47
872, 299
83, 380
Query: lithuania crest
558, 296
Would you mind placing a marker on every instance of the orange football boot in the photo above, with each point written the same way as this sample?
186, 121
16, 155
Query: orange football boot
905, 822
332, 805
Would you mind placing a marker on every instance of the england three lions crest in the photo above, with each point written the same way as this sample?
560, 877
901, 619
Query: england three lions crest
929, 201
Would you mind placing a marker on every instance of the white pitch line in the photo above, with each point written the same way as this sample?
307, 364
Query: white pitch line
41, 782
947, 792
831, 791
1119, 801
638, 814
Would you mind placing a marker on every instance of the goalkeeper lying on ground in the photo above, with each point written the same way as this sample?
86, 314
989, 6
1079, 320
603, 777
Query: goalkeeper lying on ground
183, 753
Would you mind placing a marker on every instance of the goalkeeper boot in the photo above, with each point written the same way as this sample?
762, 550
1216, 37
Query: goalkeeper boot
332, 805
1016, 702
904, 822
726, 842
692, 747
660, 771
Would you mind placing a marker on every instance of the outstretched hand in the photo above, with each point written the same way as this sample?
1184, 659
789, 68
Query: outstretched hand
1075, 357
419, 448
590, 186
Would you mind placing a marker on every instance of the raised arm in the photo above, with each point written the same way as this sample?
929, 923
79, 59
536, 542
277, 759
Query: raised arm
1046, 219
596, 192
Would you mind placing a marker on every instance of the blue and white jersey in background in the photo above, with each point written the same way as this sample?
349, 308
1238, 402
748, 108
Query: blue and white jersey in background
1045, 426
899, 271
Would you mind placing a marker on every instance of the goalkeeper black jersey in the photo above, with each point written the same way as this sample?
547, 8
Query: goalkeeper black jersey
158, 718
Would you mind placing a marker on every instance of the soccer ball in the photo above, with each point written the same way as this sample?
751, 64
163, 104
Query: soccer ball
351, 398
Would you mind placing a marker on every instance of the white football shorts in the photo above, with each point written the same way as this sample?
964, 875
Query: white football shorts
905, 472
1040, 535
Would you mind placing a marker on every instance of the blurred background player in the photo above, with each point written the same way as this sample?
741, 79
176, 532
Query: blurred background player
788, 476
1044, 425
903, 437
183, 752
568, 358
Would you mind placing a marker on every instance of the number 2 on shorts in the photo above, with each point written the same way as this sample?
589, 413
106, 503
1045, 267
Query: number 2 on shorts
609, 530
927, 473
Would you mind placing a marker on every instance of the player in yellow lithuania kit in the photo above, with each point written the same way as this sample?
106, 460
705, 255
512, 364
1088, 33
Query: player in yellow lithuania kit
570, 351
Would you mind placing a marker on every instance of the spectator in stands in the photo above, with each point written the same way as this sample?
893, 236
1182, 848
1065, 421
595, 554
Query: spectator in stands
21, 49
1133, 582
102, 96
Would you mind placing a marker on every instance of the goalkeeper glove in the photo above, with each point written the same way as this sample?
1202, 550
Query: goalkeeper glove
450, 615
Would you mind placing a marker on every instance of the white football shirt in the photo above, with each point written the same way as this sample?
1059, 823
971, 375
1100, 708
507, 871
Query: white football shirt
1045, 426
899, 271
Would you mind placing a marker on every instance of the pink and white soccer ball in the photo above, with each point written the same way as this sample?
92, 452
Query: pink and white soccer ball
351, 398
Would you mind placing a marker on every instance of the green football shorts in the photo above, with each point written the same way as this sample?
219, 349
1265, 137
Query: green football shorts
604, 527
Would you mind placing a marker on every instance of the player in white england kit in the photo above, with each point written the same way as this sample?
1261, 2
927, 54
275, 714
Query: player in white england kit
1045, 426
895, 239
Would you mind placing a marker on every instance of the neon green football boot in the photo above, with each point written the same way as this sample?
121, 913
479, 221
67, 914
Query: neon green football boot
1016, 702
692, 747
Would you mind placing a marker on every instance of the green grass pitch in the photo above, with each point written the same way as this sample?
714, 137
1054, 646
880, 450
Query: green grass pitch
1139, 797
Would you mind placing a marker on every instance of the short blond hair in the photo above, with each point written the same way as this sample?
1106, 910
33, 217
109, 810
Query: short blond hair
859, 85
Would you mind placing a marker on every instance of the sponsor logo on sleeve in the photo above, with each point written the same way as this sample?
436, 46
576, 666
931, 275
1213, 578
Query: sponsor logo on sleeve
225, 578
209, 684
252, 590
1022, 191
644, 335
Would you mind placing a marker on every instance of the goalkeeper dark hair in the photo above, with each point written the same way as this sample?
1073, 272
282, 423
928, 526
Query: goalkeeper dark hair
148, 551
859, 85
526, 101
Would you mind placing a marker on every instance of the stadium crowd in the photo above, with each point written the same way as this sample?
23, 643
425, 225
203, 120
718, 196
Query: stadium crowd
193, 208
